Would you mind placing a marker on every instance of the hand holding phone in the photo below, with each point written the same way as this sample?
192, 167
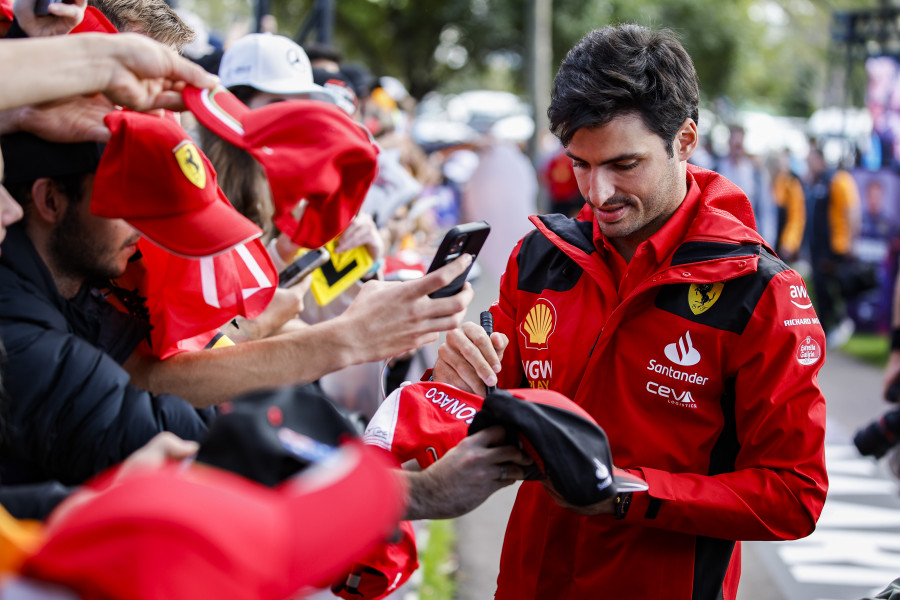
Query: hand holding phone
38, 19
42, 7
467, 238
302, 266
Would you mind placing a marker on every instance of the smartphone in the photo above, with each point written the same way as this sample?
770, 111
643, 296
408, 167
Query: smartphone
467, 238
302, 266
42, 7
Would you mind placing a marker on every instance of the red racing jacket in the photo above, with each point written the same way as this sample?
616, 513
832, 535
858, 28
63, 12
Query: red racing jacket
699, 358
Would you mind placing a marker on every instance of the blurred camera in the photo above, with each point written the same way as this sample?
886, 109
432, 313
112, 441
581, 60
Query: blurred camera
882, 434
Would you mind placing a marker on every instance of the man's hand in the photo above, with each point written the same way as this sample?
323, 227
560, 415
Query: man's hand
62, 19
163, 447
465, 477
389, 318
146, 75
77, 119
606, 507
362, 231
469, 359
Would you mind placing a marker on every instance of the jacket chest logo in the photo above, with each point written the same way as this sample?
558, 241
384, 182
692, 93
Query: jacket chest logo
702, 296
538, 325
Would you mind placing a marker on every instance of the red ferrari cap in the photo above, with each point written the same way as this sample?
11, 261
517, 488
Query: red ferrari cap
202, 532
153, 175
319, 162
565, 442
383, 570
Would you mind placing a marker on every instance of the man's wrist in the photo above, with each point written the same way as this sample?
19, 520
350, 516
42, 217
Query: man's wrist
622, 504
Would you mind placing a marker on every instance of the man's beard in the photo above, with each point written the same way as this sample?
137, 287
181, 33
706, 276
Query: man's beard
79, 255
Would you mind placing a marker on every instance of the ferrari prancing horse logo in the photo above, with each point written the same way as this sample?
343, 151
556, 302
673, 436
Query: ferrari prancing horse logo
701, 296
191, 164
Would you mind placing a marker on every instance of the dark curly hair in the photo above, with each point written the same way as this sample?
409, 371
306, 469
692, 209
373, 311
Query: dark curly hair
625, 69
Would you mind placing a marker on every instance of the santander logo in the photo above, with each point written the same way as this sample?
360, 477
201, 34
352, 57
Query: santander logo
683, 352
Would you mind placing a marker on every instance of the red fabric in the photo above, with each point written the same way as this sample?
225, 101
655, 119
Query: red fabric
94, 22
6, 11
152, 175
190, 298
199, 532
319, 162
560, 178
616, 365
383, 570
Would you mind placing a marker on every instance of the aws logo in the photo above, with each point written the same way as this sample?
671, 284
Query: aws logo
538, 325
702, 296
191, 163
799, 297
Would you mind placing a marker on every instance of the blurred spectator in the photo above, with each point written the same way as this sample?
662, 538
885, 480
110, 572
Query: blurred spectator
201, 49
744, 171
832, 199
787, 192
502, 191
558, 176
323, 56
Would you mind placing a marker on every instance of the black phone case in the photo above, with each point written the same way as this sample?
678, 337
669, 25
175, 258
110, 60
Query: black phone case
467, 238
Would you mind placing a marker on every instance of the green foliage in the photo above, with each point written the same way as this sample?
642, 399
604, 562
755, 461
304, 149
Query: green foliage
869, 347
772, 54
438, 562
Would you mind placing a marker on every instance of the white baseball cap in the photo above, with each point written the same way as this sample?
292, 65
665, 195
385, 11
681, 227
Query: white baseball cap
269, 63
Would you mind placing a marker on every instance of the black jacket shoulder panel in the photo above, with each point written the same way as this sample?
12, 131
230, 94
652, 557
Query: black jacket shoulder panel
543, 266
732, 305
577, 233
692, 252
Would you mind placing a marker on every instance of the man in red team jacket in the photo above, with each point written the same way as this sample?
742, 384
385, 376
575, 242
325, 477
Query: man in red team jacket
663, 313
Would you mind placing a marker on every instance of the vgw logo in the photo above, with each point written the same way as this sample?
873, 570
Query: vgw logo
683, 352
798, 292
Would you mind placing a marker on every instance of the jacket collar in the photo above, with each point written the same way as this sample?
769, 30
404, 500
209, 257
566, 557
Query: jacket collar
714, 210
20, 256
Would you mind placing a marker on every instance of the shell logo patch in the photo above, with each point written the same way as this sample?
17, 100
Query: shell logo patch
809, 351
188, 157
539, 324
702, 296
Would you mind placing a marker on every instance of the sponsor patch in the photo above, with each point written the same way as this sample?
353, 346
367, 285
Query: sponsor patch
809, 351
702, 296
539, 324
683, 352
803, 321
800, 298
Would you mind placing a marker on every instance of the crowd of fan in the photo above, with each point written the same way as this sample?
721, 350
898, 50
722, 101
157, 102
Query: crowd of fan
141, 249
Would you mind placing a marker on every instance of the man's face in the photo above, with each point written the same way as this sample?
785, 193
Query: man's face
625, 173
85, 245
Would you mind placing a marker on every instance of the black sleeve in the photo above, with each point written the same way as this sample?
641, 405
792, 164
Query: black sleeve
72, 412
33, 501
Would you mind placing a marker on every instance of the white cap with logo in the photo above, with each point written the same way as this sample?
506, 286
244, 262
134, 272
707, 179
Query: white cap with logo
269, 63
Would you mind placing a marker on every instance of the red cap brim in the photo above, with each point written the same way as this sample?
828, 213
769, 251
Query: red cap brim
210, 231
220, 111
